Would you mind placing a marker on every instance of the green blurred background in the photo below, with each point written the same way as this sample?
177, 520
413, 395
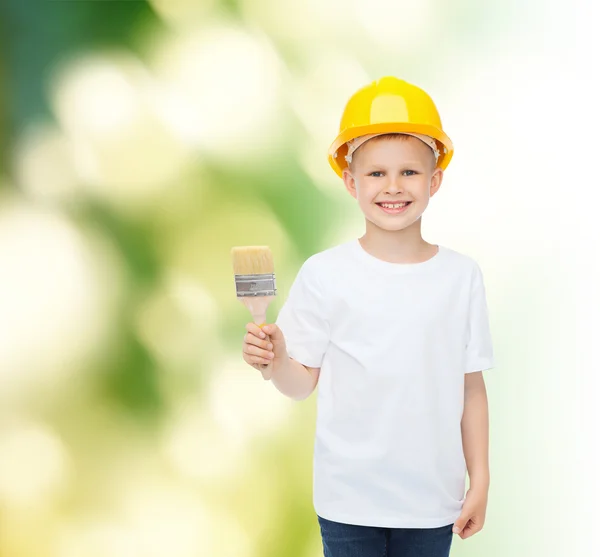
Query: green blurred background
140, 141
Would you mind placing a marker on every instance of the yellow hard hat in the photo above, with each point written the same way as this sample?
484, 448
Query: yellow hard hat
389, 105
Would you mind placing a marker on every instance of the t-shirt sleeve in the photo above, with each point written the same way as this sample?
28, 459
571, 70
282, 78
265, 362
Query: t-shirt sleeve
303, 321
479, 350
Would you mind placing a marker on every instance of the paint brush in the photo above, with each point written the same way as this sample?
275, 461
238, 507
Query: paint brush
255, 284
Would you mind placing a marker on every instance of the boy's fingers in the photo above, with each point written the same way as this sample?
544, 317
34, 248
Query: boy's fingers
278, 341
271, 329
460, 524
258, 360
256, 351
249, 338
468, 531
275, 334
255, 330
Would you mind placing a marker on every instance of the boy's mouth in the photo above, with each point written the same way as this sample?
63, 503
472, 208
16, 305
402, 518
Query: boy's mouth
394, 208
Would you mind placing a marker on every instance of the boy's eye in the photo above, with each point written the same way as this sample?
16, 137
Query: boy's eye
378, 173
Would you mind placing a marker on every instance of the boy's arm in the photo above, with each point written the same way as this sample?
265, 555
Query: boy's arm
474, 426
475, 431
289, 376
294, 379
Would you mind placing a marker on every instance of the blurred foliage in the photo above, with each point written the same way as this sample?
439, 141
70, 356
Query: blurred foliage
38, 34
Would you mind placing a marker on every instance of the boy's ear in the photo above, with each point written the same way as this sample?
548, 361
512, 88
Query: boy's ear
436, 181
349, 182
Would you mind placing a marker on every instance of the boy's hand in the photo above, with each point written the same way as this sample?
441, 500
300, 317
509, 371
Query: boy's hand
472, 517
258, 349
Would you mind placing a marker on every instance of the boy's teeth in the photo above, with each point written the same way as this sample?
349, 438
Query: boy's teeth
393, 205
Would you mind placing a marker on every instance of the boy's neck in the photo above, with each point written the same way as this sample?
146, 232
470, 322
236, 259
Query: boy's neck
402, 246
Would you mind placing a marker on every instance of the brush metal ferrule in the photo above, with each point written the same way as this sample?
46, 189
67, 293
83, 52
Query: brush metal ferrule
255, 285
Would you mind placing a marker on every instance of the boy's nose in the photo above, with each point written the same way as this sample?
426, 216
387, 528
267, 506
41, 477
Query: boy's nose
393, 186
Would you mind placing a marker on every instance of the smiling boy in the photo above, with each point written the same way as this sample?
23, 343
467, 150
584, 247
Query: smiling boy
394, 331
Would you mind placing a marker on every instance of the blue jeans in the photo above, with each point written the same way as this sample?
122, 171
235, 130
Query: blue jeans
346, 540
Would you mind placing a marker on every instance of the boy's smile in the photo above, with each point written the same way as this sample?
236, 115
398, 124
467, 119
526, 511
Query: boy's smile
394, 208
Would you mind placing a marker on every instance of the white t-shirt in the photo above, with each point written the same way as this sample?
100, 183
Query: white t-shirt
393, 342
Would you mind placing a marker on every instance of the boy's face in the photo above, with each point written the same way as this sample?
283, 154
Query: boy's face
390, 170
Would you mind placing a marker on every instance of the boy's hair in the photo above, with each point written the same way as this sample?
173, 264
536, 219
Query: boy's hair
388, 136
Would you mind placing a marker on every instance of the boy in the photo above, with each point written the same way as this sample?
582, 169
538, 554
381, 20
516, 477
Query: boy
395, 331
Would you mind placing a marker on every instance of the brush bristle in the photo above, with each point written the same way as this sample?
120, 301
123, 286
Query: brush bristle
252, 260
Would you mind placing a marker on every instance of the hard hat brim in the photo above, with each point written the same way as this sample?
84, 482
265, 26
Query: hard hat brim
338, 148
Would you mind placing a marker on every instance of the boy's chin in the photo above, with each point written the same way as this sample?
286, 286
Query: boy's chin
388, 226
